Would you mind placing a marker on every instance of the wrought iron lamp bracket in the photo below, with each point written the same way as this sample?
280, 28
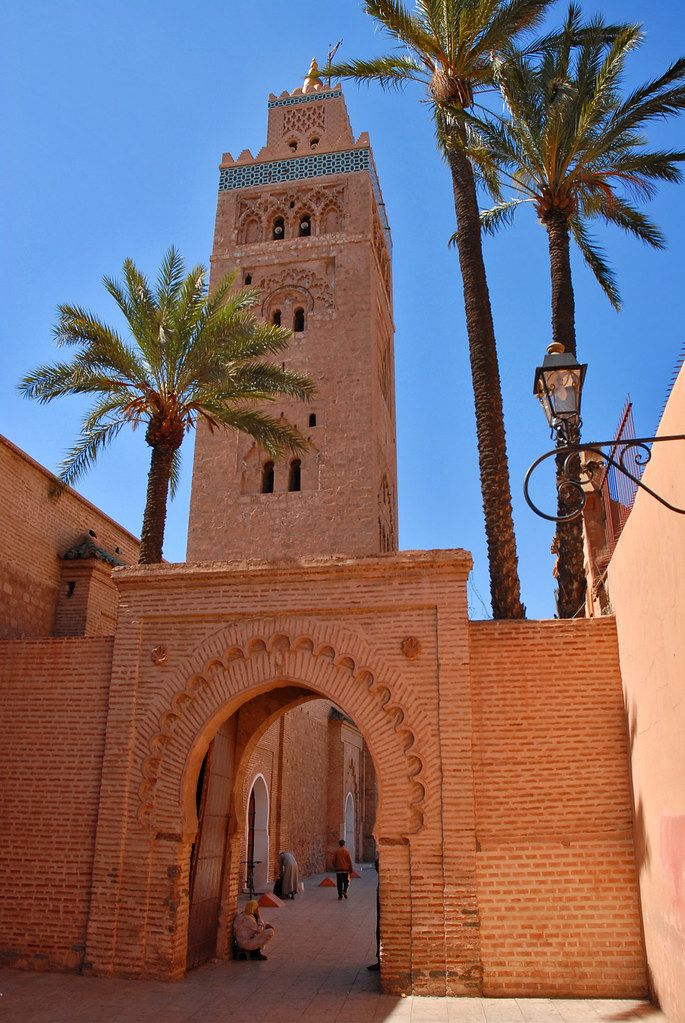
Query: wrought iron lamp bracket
574, 476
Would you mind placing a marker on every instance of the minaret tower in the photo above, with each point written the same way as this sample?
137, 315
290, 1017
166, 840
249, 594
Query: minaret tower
304, 221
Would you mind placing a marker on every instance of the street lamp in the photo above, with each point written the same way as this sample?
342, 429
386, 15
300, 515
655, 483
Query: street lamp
558, 386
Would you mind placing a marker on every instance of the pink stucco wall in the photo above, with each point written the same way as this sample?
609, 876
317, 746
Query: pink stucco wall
647, 592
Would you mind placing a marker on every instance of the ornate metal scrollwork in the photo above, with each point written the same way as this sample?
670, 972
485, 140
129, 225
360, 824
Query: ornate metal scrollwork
576, 473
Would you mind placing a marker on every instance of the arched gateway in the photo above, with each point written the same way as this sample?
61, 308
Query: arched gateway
239, 678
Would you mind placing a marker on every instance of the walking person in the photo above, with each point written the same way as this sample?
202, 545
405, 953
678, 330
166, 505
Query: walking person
342, 864
290, 875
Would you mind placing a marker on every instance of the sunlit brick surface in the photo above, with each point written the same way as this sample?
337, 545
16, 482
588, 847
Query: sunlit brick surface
316, 972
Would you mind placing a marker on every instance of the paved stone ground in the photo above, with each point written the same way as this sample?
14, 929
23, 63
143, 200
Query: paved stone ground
316, 972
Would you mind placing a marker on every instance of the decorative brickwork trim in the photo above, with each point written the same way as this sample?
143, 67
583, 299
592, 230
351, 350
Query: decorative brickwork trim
314, 165
331, 661
291, 101
299, 168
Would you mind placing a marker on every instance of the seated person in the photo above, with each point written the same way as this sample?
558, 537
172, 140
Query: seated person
250, 932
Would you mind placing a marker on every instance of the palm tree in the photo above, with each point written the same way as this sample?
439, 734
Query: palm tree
449, 47
574, 149
190, 356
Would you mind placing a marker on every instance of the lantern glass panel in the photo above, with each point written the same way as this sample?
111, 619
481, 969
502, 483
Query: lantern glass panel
563, 393
543, 398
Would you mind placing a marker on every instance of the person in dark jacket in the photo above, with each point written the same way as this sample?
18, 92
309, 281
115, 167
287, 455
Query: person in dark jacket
342, 864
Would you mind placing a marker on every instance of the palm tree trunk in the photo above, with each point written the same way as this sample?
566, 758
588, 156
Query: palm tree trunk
571, 563
154, 517
505, 588
563, 304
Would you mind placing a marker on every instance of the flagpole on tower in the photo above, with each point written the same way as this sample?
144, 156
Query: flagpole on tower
331, 54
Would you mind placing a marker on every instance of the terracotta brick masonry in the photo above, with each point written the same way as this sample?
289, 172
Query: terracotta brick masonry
316, 971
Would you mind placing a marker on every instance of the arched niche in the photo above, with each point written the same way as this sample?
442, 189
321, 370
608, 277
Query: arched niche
257, 832
350, 834
251, 231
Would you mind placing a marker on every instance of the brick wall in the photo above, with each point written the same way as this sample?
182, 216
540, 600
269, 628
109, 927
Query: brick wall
504, 815
304, 784
556, 876
36, 530
52, 734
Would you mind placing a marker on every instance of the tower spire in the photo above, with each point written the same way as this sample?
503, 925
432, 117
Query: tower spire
312, 80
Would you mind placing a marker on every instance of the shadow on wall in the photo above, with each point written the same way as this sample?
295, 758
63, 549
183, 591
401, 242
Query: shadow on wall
642, 849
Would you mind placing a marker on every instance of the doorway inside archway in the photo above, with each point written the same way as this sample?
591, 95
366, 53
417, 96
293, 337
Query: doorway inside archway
258, 835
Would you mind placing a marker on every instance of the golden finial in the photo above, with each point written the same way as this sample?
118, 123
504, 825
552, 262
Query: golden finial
312, 80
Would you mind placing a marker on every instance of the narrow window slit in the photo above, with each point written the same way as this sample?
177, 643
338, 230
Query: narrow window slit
295, 475
268, 478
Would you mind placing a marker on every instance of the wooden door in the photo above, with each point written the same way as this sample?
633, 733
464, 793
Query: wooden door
215, 791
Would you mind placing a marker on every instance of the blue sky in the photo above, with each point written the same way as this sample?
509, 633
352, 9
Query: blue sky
115, 116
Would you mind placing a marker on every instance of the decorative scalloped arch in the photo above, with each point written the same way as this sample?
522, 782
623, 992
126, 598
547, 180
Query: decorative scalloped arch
242, 661
315, 285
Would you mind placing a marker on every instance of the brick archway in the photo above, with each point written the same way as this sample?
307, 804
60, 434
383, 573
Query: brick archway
239, 663
140, 915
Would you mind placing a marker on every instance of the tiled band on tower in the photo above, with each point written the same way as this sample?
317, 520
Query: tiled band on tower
304, 221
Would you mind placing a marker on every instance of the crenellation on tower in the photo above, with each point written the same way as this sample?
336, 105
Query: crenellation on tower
304, 222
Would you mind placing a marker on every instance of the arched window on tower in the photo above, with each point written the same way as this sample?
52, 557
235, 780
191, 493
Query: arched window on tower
312, 418
268, 478
295, 475
298, 320
278, 229
305, 228
276, 317
248, 278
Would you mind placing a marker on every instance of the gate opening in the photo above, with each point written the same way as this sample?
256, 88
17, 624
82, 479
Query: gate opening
279, 774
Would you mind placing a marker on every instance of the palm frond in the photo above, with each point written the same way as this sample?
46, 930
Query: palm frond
102, 348
623, 215
175, 473
654, 88
508, 22
389, 72
170, 278
275, 435
137, 302
268, 381
499, 216
46, 383
83, 455
399, 22
105, 411
594, 257
598, 98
